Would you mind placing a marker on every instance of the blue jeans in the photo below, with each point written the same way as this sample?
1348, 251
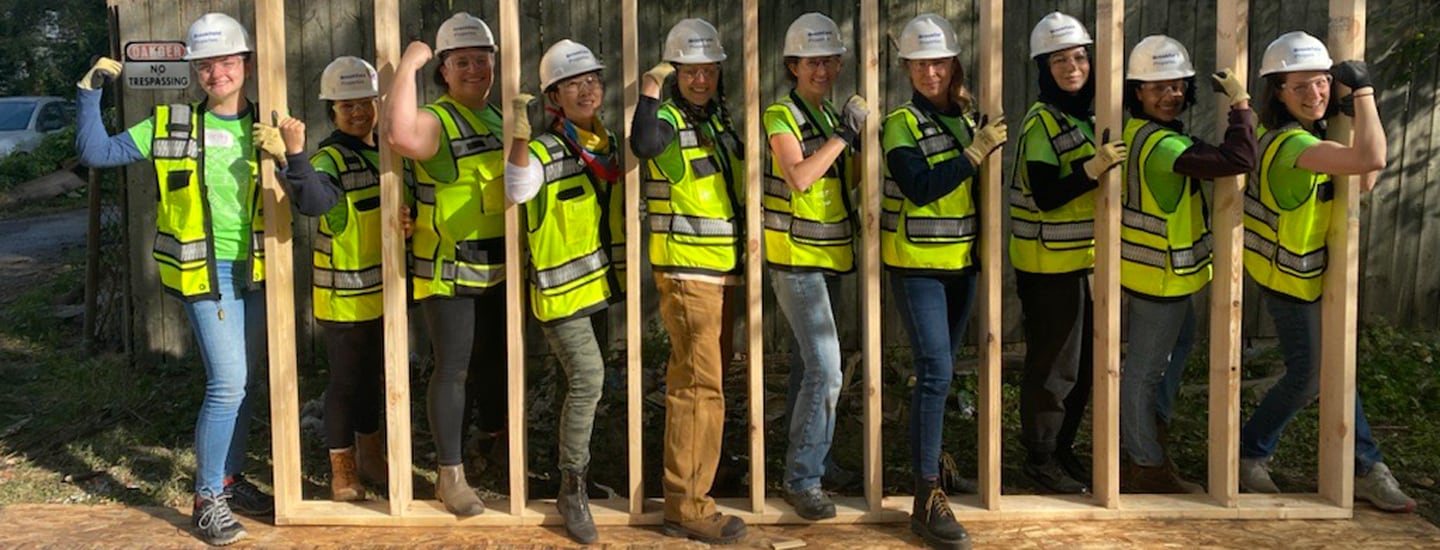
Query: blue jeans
231, 334
934, 310
1161, 336
1297, 325
815, 386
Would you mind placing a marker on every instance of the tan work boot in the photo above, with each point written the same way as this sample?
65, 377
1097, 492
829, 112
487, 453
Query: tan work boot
1160, 479
716, 529
457, 495
370, 458
344, 484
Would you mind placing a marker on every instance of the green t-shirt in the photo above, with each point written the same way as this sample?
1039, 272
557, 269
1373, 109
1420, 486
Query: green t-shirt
228, 181
1165, 185
1291, 185
338, 216
442, 165
776, 123
897, 134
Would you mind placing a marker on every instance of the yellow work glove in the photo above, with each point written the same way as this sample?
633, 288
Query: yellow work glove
105, 70
989, 137
1108, 155
520, 111
660, 72
1226, 83
852, 121
268, 139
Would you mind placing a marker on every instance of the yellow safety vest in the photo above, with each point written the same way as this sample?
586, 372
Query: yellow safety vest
1285, 249
695, 216
576, 226
808, 230
1162, 255
346, 285
459, 240
1060, 240
939, 236
184, 245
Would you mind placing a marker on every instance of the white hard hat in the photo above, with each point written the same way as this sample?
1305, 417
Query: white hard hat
813, 35
1056, 32
1295, 51
1159, 57
693, 41
348, 77
463, 30
928, 36
214, 35
564, 60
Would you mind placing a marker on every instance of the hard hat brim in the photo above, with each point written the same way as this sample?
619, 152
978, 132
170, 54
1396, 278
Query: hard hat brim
696, 59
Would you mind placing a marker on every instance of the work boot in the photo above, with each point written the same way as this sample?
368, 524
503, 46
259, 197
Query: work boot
812, 504
718, 528
574, 505
932, 518
1255, 476
1160, 479
213, 521
1050, 477
344, 481
1380, 488
950, 479
246, 498
370, 458
457, 495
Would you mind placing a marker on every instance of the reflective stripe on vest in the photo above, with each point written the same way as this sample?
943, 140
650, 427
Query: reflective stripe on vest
694, 216
346, 283
1155, 258
460, 224
1285, 249
939, 236
574, 227
1061, 240
808, 230
183, 247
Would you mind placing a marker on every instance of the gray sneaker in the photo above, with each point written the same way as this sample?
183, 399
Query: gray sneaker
1380, 488
1255, 476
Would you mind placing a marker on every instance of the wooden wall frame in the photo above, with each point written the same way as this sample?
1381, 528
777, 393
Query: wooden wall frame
1223, 501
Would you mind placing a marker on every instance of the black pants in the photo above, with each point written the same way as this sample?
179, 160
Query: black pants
467, 337
357, 380
1058, 358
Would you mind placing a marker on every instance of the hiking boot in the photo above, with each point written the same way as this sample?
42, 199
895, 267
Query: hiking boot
1160, 479
1255, 476
1049, 477
812, 504
213, 521
574, 505
716, 529
950, 479
457, 495
1380, 488
370, 458
932, 518
344, 481
1073, 466
246, 498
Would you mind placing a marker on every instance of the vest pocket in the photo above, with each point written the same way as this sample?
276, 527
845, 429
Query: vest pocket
177, 180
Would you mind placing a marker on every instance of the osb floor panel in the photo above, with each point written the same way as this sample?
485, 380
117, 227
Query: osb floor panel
69, 526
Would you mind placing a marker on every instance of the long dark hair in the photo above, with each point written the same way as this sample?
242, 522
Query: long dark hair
1273, 113
1080, 104
1137, 109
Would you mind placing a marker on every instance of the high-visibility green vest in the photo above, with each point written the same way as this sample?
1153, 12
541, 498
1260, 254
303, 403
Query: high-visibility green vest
1161, 254
459, 239
1060, 240
346, 283
1285, 249
576, 226
808, 230
939, 236
184, 245
695, 215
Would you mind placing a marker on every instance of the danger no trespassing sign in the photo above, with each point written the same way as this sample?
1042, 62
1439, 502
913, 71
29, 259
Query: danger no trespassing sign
156, 65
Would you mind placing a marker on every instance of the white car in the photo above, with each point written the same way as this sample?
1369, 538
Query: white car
24, 121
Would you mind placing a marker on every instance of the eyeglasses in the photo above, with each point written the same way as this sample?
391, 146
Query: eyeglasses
1077, 58
226, 64
1165, 89
581, 84
348, 108
689, 72
466, 63
1318, 84
831, 63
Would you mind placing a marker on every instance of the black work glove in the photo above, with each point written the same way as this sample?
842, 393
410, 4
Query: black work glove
1353, 74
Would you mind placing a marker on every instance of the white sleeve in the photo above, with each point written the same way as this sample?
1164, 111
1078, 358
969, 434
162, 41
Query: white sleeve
522, 183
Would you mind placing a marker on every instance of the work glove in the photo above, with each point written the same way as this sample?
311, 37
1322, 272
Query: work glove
852, 120
268, 139
103, 72
1108, 155
1225, 82
660, 72
520, 111
988, 137
292, 132
1353, 74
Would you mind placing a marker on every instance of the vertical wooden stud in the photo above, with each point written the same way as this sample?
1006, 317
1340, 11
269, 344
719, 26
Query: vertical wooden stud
1109, 48
514, 263
754, 277
630, 54
992, 53
870, 250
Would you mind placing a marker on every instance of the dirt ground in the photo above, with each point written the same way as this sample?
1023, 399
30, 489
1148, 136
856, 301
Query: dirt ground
31, 246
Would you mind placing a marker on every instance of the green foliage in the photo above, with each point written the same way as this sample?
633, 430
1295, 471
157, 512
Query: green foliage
46, 46
1416, 45
53, 150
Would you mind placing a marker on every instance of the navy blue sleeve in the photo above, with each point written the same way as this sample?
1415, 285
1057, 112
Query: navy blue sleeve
96, 148
1050, 191
649, 136
922, 184
314, 193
